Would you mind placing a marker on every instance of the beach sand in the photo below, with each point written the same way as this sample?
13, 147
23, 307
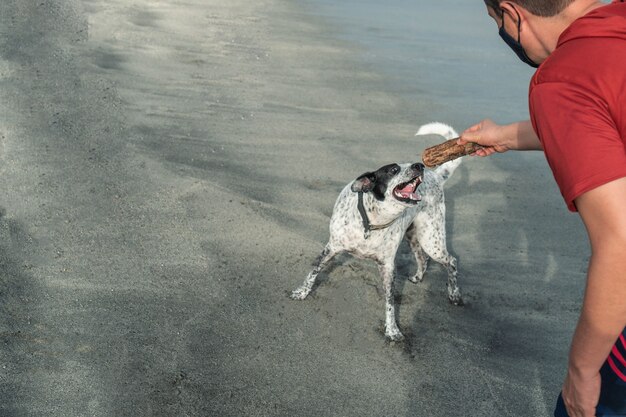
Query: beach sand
168, 169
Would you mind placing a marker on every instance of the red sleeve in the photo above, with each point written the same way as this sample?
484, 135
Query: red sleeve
580, 140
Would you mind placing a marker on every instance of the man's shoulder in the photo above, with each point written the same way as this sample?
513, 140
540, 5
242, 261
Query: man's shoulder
592, 45
591, 61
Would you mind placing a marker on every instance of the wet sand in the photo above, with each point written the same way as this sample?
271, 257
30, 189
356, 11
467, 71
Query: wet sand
168, 172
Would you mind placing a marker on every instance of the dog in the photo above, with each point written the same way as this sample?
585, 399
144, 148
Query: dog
375, 211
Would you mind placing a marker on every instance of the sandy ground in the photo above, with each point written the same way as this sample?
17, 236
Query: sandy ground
168, 169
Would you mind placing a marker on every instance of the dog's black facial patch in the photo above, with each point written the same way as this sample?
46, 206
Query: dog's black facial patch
376, 181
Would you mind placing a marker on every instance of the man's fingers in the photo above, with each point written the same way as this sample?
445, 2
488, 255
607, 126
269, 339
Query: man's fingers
467, 137
484, 152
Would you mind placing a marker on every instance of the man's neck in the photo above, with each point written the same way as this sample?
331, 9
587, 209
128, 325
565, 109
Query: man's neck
549, 29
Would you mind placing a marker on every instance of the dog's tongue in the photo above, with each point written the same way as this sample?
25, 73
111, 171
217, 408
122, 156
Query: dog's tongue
411, 196
407, 192
407, 188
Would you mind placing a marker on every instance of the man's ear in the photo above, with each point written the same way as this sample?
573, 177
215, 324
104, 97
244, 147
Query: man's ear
514, 10
365, 183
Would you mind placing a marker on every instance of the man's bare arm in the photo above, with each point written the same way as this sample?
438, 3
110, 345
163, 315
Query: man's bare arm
603, 315
518, 136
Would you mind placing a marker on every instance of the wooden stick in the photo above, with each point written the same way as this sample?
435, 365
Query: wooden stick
447, 151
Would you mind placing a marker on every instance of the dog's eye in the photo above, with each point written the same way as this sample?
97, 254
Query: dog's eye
395, 170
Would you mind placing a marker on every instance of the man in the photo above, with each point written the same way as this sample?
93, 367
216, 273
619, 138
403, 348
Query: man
577, 103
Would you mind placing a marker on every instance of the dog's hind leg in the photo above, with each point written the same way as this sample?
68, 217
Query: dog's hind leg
391, 327
420, 256
440, 254
432, 239
454, 293
302, 291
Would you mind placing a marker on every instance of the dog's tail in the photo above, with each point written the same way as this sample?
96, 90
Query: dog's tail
448, 132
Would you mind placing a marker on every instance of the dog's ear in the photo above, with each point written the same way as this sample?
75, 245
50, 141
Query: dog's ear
365, 183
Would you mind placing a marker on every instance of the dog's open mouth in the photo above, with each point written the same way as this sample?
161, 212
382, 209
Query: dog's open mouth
407, 191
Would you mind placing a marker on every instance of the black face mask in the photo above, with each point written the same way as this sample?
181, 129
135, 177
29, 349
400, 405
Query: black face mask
515, 45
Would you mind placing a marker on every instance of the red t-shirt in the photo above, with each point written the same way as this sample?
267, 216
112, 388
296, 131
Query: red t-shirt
577, 102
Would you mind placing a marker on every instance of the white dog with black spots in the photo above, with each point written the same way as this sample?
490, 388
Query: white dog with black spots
374, 212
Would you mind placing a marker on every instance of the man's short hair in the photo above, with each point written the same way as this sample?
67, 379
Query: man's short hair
545, 8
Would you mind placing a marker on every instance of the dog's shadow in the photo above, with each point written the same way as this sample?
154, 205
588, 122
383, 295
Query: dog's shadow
364, 272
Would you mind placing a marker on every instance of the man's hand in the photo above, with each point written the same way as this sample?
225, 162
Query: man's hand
487, 134
580, 394
501, 138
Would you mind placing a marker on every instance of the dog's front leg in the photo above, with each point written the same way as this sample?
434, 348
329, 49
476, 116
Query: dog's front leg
302, 291
387, 271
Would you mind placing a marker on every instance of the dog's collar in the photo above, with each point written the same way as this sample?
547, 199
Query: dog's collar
366, 221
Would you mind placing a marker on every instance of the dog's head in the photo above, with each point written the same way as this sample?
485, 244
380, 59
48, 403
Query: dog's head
392, 183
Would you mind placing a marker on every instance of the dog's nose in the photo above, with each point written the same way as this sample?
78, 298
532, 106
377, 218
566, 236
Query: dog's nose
418, 166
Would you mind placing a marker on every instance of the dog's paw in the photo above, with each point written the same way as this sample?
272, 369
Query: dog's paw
456, 299
458, 302
394, 335
419, 274
417, 278
299, 294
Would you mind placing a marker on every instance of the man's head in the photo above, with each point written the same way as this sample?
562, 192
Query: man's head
532, 27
